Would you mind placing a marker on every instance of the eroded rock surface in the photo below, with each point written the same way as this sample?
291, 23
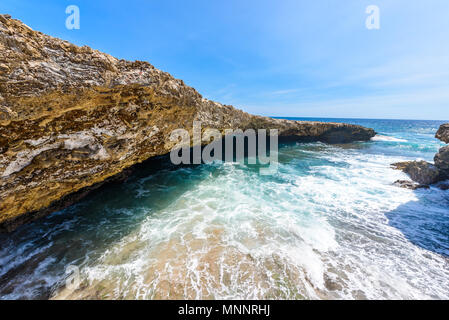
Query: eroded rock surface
443, 133
442, 162
426, 173
72, 118
420, 171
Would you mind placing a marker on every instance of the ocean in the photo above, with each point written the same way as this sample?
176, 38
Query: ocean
329, 224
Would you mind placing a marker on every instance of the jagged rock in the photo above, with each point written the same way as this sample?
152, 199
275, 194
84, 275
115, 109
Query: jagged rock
426, 173
420, 171
443, 133
442, 161
72, 118
407, 184
442, 157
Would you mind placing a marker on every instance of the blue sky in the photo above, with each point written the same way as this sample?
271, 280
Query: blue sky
276, 58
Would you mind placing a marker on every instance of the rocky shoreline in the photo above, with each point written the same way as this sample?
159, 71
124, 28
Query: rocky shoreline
73, 118
424, 173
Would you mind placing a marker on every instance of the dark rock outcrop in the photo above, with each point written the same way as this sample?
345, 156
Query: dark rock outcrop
407, 184
419, 171
443, 185
442, 162
426, 173
443, 133
72, 118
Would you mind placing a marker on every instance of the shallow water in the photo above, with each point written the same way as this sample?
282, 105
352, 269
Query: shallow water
328, 225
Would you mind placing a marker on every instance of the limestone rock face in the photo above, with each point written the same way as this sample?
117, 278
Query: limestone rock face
419, 171
443, 133
72, 118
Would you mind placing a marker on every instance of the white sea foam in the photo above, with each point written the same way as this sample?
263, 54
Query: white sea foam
379, 137
325, 234
329, 225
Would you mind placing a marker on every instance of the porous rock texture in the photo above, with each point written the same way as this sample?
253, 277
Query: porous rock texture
73, 118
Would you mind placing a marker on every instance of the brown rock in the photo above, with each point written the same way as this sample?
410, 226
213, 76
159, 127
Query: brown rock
443, 133
442, 161
407, 184
420, 171
424, 172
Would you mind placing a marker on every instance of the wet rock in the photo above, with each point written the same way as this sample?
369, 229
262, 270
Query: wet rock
73, 117
426, 173
443, 133
407, 184
420, 171
332, 284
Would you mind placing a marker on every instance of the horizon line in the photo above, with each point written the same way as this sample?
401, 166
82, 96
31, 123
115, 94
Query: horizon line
350, 118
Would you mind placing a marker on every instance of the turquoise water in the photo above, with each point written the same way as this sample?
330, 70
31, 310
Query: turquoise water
328, 225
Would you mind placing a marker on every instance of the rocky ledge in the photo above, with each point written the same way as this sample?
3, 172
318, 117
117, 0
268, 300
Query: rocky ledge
73, 118
424, 173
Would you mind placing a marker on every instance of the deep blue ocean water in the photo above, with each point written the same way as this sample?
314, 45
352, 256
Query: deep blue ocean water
329, 224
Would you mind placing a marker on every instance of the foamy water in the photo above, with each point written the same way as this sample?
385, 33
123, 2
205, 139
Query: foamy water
329, 225
379, 137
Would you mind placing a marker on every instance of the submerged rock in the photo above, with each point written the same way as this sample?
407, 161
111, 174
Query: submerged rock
443, 185
73, 118
407, 184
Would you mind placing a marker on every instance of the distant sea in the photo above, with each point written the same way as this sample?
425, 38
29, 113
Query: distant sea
329, 225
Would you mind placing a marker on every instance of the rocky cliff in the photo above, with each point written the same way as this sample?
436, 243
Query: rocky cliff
426, 173
72, 118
